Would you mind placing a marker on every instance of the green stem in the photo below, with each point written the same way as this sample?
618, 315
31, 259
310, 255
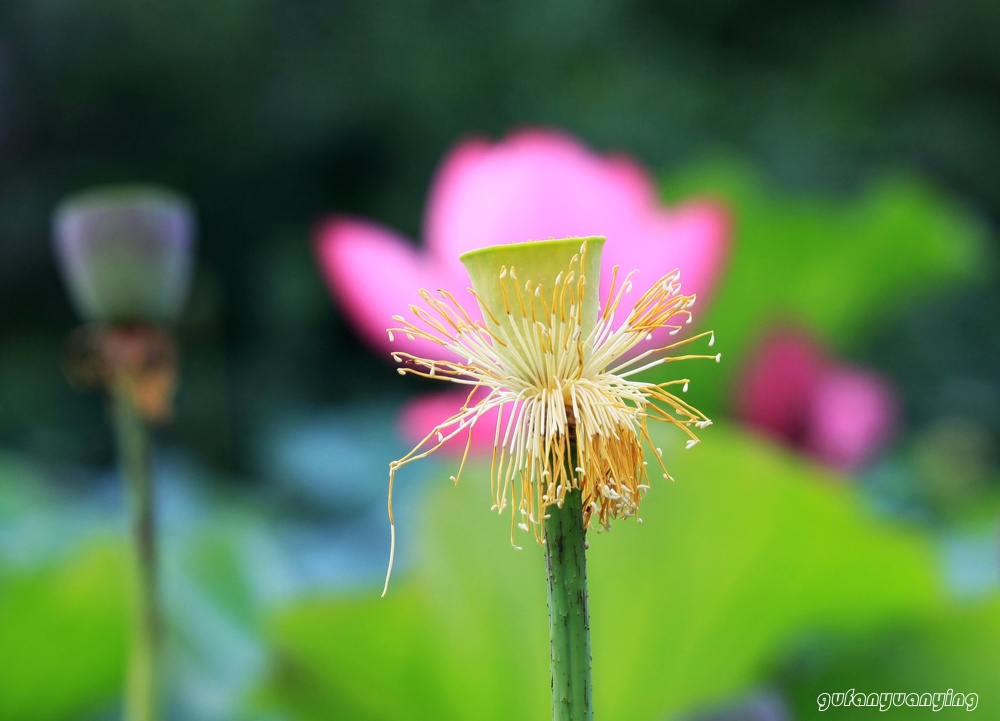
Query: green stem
569, 621
141, 691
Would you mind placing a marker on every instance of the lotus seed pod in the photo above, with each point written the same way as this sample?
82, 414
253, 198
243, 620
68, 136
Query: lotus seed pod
126, 253
499, 273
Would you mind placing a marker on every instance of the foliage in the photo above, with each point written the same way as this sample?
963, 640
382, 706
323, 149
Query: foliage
958, 650
745, 552
839, 266
62, 635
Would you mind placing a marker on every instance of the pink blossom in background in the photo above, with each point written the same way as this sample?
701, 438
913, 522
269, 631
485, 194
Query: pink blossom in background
534, 184
795, 391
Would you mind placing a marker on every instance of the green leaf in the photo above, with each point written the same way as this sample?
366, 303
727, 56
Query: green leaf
957, 650
748, 549
837, 266
62, 635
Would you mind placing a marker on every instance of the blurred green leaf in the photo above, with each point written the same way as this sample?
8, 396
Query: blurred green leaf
953, 650
62, 636
837, 266
748, 549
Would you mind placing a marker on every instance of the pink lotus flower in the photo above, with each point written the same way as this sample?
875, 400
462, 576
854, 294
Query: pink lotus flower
794, 391
532, 185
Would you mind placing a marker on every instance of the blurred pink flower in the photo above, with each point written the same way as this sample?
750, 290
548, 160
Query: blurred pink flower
793, 390
535, 184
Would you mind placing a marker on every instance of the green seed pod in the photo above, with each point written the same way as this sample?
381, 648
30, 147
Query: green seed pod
126, 253
494, 274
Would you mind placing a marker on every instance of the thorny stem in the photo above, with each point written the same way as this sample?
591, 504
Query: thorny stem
141, 691
569, 620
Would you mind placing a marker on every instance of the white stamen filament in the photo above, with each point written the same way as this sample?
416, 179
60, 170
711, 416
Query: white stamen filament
556, 383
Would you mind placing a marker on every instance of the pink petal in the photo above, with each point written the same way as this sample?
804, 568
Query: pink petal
632, 178
375, 274
775, 391
422, 415
533, 185
852, 414
540, 184
694, 239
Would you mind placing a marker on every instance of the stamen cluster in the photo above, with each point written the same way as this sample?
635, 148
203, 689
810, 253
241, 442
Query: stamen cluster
575, 415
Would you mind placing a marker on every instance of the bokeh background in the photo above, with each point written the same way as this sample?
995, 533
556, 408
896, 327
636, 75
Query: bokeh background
855, 146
